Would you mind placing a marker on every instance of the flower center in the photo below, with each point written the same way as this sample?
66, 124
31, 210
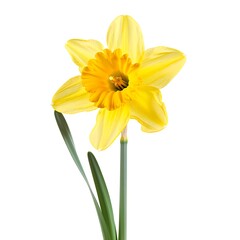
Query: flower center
107, 78
120, 81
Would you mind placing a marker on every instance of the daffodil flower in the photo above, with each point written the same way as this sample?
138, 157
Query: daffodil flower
123, 81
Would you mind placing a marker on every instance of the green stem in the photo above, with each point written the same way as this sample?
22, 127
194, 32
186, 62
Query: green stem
123, 187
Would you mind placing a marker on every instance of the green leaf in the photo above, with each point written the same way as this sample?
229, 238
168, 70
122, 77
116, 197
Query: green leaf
66, 134
103, 195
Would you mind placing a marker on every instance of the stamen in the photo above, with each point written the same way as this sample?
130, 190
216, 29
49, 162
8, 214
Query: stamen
119, 82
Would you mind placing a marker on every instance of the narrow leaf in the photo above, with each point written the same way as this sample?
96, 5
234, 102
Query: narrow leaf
103, 195
66, 134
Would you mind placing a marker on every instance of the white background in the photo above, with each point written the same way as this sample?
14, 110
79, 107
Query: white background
183, 182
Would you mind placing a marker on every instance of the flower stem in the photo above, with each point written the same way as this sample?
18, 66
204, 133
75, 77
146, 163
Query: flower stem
122, 234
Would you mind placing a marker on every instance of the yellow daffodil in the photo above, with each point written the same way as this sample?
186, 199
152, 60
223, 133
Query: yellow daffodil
122, 80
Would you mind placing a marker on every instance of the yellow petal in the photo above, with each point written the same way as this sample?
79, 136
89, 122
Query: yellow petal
160, 65
125, 33
82, 51
109, 125
148, 109
72, 97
